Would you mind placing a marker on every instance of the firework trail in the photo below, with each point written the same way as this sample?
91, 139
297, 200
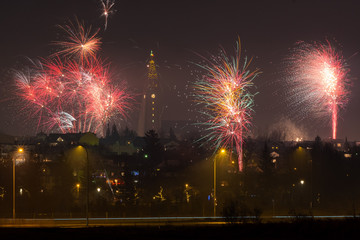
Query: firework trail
79, 42
227, 103
107, 9
318, 81
72, 95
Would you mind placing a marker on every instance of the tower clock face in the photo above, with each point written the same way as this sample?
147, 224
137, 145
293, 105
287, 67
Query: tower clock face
153, 95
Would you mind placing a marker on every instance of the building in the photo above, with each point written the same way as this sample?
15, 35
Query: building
151, 106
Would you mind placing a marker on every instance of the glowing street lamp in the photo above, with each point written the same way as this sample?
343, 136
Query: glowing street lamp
77, 189
222, 151
80, 147
20, 150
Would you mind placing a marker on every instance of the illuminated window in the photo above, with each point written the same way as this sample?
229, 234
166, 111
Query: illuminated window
152, 120
153, 109
153, 103
153, 95
153, 115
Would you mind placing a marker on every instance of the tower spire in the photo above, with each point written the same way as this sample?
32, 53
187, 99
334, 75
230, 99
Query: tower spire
151, 109
152, 73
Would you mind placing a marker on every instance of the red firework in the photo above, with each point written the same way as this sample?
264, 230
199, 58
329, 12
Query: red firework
73, 95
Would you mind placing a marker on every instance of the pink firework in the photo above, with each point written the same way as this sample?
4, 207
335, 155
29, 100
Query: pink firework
72, 97
72, 91
318, 81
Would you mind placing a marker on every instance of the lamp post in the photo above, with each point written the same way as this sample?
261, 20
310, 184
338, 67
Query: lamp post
222, 151
87, 185
13, 175
19, 151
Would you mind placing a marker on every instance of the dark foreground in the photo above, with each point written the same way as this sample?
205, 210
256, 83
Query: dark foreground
299, 229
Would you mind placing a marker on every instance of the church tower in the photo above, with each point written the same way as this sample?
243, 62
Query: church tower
151, 107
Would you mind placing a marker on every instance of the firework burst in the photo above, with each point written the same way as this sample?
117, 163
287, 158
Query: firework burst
79, 42
107, 6
227, 103
71, 97
317, 81
72, 94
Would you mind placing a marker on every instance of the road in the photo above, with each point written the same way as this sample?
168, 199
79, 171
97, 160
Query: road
141, 221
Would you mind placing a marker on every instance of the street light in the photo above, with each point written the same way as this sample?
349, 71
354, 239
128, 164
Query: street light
20, 150
77, 190
87, 184
222, 151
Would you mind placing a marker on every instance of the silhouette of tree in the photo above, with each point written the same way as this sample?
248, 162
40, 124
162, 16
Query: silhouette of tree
114, 132
128, 135
153, 148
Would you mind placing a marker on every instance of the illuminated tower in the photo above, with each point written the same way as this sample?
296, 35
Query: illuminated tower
151, 107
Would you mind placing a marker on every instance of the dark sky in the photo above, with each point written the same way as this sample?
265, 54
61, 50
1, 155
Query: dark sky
176, 31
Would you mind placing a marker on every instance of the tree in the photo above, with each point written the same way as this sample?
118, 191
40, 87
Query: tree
128, 135
114, 132
153, 148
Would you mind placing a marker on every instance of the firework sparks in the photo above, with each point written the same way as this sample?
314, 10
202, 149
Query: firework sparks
64, 120
223, 92
72, 94
107, 10
79, 42
318, 79
73, 97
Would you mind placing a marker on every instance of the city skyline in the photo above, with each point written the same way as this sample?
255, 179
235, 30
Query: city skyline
178, 34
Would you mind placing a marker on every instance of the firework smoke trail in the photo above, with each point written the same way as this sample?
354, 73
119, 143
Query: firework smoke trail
318, 81
223, 92
72, 95
107, 9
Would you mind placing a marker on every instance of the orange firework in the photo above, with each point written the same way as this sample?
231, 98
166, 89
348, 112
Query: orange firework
79, 42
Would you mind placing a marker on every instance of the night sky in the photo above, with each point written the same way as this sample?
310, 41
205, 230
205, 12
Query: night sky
177, 31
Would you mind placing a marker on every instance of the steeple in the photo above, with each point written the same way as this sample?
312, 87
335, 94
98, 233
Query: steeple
151, 107
152, 73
